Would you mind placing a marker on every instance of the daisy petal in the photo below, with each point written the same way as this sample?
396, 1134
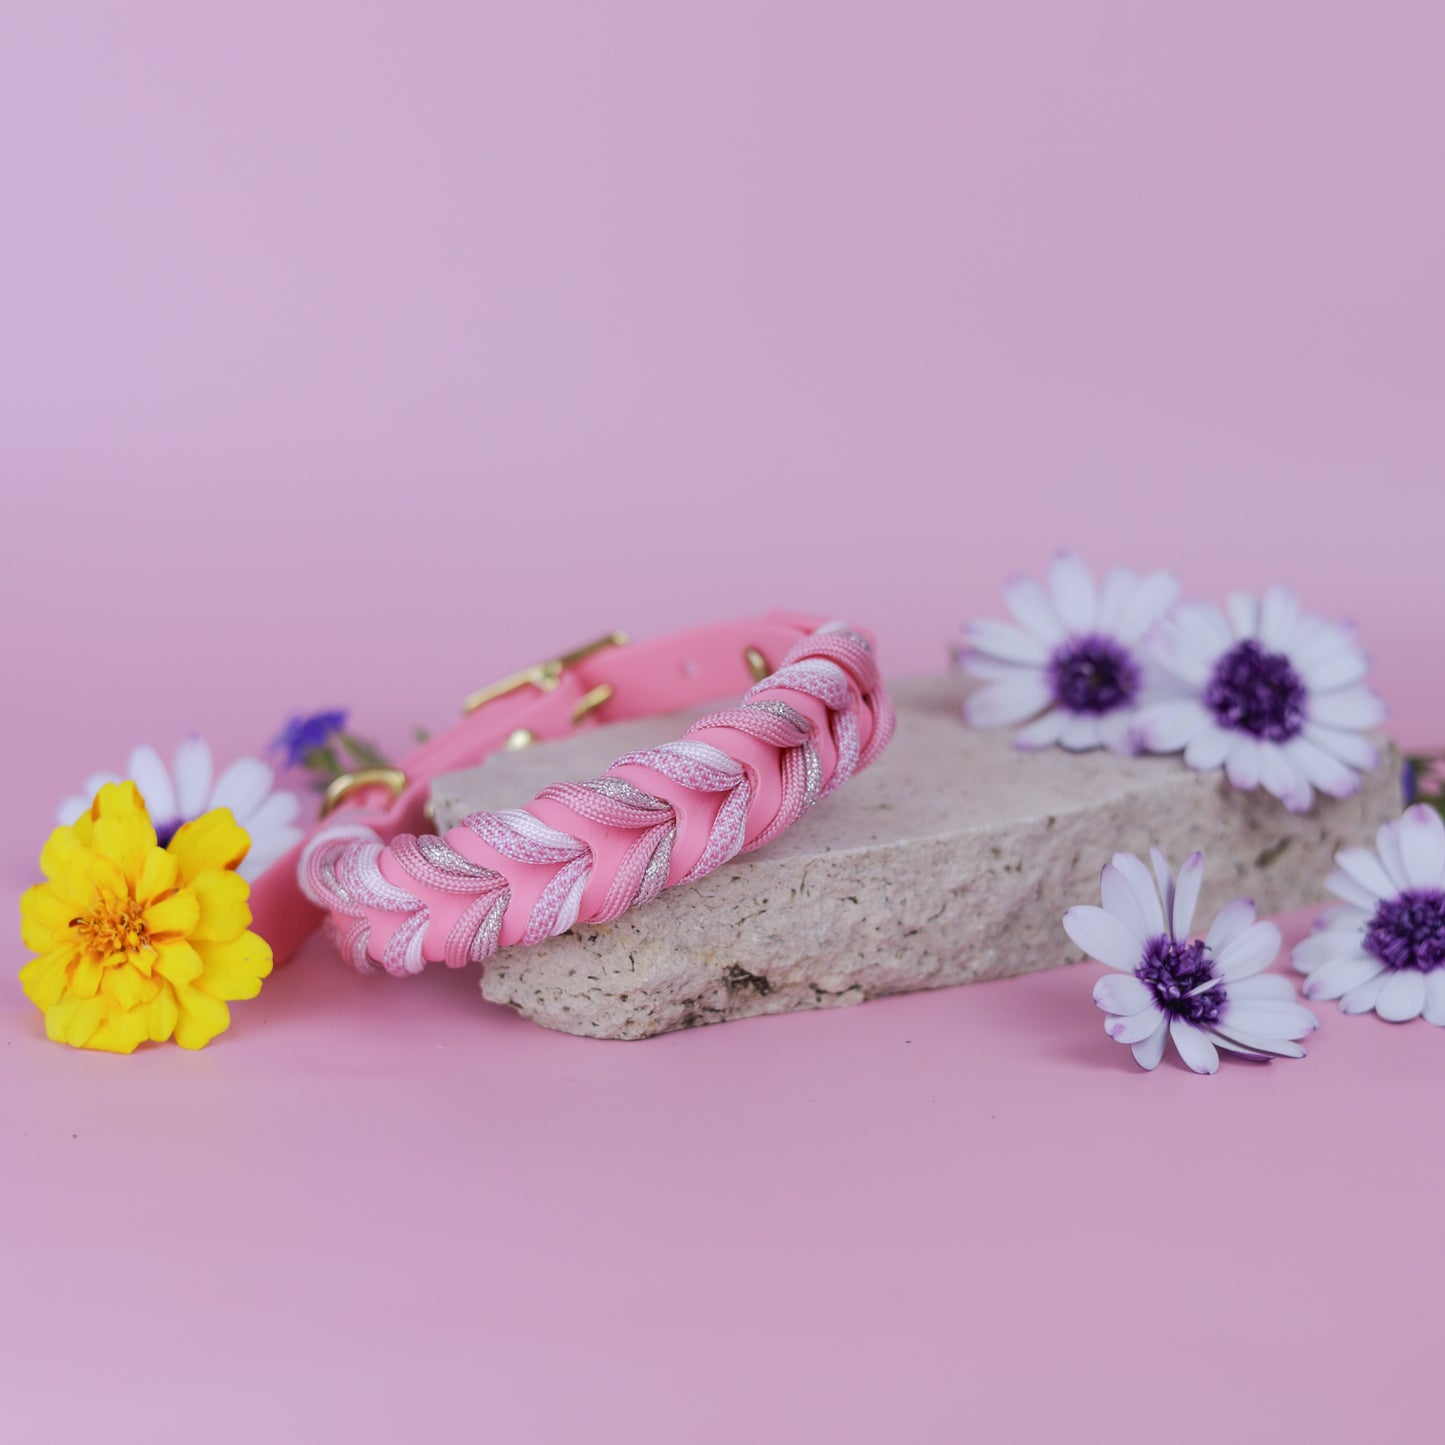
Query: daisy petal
1243, 762
1223, 1041
1278, 614
1344, 916
1365, 868
1243, 612
990, 669
1279, 777
1164, 877
1073, 593
1316, 641
1194, 1046
1265, 1019
1318, 768
1281, 1048
1361, 998
1119, 900
1392, 858
1208, 748
149, 774
71, 808
193, 775
1186, 893
1141, 885
1030, 604
1434, 1010
1116, 732
277, 812
1422, 846
243, 787
1043, 732
1006, 643
1080, 733
1119, 993
1148, 1052
1337, 977
1356, 707
1353, 750
1229, 923
275, 844
1322, 948
1102, 936
1151, 598
1343, 886
1273, 986
1251, 952
1402, 996
1177, 654
1134, 1028
1114, 593
1005, 703
1338, 668
1167, 727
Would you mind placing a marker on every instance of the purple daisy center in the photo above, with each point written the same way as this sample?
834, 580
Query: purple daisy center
1093, 674
1257, 692
1173, 970
1409, 931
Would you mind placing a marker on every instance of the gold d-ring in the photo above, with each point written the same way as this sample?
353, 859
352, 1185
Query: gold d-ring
344, 785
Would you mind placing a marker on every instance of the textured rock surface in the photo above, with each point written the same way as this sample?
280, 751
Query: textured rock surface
951, 860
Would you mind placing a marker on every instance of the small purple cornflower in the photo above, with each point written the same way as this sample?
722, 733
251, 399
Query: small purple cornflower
306, 734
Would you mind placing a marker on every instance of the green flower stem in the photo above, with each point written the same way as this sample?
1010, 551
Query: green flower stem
323, 760
1428, 770
362, 753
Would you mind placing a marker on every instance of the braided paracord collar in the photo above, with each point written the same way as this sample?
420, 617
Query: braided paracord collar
588, 851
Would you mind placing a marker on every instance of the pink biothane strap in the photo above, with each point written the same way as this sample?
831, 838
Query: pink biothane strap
686, 669
399, 898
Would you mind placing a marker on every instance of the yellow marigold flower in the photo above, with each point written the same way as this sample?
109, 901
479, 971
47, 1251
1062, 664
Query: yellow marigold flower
135, 941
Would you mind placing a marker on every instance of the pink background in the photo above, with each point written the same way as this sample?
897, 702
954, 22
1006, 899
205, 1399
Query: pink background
321, 320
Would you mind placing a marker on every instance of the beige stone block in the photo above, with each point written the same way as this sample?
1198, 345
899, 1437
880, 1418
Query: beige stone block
952, 859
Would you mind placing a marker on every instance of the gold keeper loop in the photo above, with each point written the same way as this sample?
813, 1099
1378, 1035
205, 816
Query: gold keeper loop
543, 675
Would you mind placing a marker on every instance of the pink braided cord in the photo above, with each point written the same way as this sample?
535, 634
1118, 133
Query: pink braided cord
423, 900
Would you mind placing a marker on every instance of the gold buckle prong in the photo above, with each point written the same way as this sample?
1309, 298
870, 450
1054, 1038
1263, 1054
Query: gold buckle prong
544, 676
590, 701
343, 785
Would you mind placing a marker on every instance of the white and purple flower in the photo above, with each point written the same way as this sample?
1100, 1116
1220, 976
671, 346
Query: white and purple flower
177, 795
1206, 994
1276, 697
1383, 948
1073, 668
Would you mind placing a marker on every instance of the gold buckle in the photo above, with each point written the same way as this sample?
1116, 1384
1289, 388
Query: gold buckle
546, 675
343, 785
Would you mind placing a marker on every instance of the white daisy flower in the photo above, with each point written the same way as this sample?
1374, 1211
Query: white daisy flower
1277, 698
173, 797
1074, 664
1383, 948
1206, 994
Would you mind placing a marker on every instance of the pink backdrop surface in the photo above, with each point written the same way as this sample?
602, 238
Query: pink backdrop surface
356, 353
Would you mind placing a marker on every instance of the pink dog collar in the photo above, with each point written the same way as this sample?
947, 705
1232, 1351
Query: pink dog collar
586, 852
